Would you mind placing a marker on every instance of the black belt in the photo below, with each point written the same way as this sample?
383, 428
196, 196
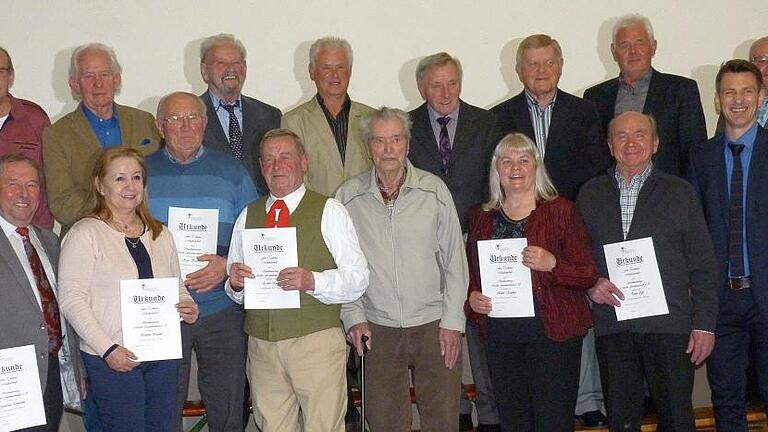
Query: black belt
739, 283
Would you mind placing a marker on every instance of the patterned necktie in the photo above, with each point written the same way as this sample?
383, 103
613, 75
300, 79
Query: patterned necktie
444, 144
48, 301
736, 214
762, 113
278, 215
235, 133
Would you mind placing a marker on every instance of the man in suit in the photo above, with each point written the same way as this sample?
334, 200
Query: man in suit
758, 55
21, 129
29, 313
566, 128
637, 201
236, 122
730, 172
72, 144
672, 100
329, 123
454, 140
567, 132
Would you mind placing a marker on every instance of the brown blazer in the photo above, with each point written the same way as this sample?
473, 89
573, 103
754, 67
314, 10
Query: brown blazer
326, 172
70, 149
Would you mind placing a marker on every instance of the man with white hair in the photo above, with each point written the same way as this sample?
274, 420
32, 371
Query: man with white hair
74, 142
672, 100
758, 55
236, 122
329, 123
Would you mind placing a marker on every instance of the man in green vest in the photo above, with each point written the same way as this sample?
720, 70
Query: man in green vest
296, 357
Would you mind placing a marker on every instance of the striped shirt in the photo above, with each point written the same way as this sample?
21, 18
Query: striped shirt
540, 118
628, 193
339, 124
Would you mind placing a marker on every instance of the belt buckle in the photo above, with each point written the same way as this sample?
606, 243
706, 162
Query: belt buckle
739, 283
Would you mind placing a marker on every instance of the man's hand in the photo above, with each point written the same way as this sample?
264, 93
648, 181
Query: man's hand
605, 292
296, 278
355, 337
480, 303
700, 346
209, 276
450, 346
122, 360
188, 311
237, 274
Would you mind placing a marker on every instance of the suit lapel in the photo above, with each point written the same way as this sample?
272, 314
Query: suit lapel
424, 142
82, 129
249, 119
462, 140
559, 123
8, 255
654, 99
213, 130
757, 167
519, 111
319, 124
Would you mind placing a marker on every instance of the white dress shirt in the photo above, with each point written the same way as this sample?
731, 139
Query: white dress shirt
344, 284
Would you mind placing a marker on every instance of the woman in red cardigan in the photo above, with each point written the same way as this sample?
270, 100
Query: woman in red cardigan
534, 361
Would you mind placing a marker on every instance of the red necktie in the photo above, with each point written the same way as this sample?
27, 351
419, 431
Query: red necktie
48, 301
278, 215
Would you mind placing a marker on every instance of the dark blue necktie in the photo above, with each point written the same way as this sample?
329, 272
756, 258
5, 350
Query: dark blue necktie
736, 213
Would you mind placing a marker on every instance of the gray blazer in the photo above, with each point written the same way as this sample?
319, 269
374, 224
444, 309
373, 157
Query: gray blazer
21, 320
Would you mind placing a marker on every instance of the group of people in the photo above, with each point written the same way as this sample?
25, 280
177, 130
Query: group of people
389, 207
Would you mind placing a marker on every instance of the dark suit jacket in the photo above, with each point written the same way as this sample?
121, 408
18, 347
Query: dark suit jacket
477, 134
258, 118
675, 104
20, 314
707, 174
575, 151
669, 212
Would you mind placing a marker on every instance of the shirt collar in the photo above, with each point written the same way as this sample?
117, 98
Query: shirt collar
645, 81
197, 156
216, 101
642, 177
10, 229
434, 115
292, 200
531, 99
95, 120
747, 138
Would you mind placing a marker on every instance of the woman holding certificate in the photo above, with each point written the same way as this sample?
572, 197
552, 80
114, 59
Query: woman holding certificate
530, 264
106, 258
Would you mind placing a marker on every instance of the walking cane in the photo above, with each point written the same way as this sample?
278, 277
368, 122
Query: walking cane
364, 340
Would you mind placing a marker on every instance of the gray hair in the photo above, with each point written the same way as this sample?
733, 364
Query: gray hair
282, 133
220, 39
538, 41
436, 60
10, 61
385, 113
631, 20
752, 47
74, 60
519, 143
327, 43
164, 100
651, 120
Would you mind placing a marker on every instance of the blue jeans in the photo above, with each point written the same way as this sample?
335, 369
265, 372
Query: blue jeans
143, 399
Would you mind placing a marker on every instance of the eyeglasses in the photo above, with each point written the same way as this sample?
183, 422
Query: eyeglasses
178, 119
760, 61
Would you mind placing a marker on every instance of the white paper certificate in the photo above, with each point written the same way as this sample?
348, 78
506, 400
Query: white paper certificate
504, 277
266, 252
195, 232
21, 396
151, 327
632, 267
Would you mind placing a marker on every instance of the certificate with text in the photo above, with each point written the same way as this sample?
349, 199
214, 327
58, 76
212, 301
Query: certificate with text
504, 277
267, 251
195, 232
151, 323
21, 395
633, 268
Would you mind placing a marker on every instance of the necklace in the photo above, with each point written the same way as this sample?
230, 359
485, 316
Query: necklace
134, 242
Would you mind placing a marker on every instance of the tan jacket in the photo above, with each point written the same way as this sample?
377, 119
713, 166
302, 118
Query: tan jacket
326, 172
70, 149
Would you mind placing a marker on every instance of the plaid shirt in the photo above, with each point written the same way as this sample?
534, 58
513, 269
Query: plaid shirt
628, 193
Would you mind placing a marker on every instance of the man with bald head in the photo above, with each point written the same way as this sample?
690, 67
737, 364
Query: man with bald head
672, 100
186, 174
634, 201
72, 144
236, 122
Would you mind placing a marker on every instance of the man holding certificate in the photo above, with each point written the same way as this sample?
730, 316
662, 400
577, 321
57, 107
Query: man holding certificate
198, 193
28, 259
656, 302
296, 350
